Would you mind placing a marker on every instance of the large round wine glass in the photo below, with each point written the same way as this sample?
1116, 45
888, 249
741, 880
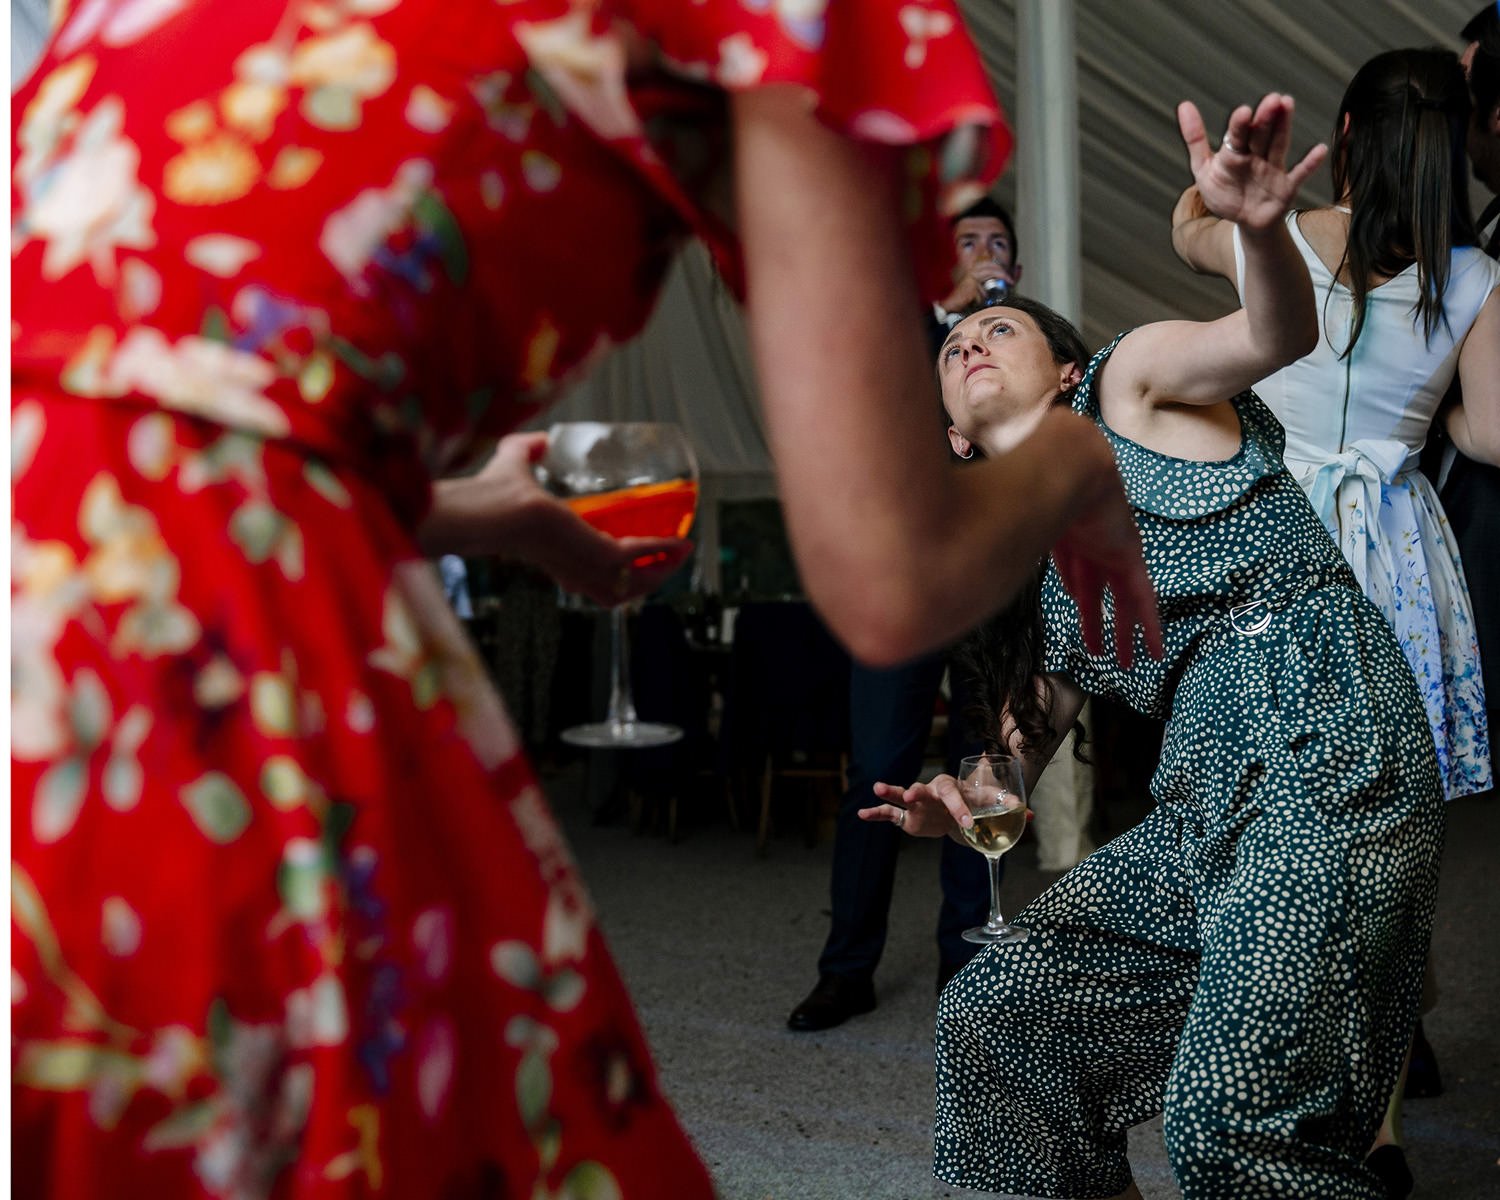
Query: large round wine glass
626, 479
994, 788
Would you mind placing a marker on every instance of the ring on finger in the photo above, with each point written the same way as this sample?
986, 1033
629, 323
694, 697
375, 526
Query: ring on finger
901, 818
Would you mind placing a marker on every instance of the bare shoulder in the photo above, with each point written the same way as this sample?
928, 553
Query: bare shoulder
1158, 400
1326, 230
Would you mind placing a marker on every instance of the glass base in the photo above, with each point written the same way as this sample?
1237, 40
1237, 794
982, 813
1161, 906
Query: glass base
999, 936
621, 735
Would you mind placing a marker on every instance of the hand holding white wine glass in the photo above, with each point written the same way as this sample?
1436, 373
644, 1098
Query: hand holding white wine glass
985, 805
626, 479
994, 790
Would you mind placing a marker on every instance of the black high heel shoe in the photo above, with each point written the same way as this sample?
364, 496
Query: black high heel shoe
1389, 1162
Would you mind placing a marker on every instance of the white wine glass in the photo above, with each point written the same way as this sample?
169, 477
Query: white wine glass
994, 789
626, 479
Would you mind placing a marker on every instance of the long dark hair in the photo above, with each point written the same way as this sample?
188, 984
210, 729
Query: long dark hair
1004, 656
1401, 163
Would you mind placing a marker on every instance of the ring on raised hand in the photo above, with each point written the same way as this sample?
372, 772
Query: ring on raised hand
901, 818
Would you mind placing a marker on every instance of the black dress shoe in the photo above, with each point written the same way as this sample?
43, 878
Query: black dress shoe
1389, 1162
1422, 1078
832, 1002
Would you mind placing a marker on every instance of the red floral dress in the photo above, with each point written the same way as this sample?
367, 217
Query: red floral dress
289, 914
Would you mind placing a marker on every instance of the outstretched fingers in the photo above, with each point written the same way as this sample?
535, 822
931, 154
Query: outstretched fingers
1238, 133
1087, 589
1135, 605
1194, 136
889, 791
922, 810
1273, 127
1311, 161
1280, 141
892, 813
1263, 127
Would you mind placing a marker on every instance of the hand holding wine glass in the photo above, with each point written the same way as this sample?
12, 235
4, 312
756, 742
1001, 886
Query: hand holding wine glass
502, 510
629, 481
985, 805
934, 809
994, 791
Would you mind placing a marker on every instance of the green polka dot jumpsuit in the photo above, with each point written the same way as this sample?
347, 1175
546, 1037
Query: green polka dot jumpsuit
1248, 959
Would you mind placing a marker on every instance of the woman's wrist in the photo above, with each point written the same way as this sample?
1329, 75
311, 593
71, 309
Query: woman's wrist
1264, 233
1068, 437
465, 518
441, 530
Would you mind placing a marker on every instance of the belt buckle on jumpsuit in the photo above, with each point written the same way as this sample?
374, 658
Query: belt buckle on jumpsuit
1251, 617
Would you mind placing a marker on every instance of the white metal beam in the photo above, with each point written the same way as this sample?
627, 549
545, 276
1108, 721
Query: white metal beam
1047, 154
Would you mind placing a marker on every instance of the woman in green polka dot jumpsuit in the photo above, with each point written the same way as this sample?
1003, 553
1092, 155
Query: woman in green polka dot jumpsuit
1248, 959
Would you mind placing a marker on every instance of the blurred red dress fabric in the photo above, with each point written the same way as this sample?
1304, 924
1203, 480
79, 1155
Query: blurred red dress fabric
290, 916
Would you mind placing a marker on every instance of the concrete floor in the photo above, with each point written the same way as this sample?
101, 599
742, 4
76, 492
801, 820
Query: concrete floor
717, 946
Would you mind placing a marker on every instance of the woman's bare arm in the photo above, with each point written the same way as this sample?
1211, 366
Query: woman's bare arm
1173, 363
1201, 240
898, 551
1475, 425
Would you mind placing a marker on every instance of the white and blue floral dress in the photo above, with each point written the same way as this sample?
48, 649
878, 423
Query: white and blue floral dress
1355, 427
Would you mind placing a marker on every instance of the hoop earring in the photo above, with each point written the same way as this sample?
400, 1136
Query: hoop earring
967, 456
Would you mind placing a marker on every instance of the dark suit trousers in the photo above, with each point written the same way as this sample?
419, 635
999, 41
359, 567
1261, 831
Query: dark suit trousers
890, 718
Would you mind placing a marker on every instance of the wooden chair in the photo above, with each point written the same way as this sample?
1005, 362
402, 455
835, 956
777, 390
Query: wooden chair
789, 700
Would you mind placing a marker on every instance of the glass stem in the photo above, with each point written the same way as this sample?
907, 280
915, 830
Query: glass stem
621, 706
996, 921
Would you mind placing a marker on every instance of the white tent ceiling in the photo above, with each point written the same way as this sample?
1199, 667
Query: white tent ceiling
1136, 60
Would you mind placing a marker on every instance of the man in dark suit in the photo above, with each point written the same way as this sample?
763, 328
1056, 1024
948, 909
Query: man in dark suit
890, 716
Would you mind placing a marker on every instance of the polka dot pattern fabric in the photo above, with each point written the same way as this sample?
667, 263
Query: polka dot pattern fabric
1248, 959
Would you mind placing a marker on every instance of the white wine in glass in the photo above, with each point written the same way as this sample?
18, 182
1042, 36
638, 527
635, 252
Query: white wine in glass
994, 789
626, 479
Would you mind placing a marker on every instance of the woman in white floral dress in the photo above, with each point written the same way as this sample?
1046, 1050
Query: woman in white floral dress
1407, 301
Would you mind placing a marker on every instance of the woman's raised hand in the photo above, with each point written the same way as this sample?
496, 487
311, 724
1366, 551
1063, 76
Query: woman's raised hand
923, 809
1247, 180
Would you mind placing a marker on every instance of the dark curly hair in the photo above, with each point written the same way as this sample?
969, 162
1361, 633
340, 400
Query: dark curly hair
1004, 656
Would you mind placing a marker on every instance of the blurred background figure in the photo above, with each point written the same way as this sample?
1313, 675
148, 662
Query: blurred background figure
1470, 484
455, 577
891, 715
987, 264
